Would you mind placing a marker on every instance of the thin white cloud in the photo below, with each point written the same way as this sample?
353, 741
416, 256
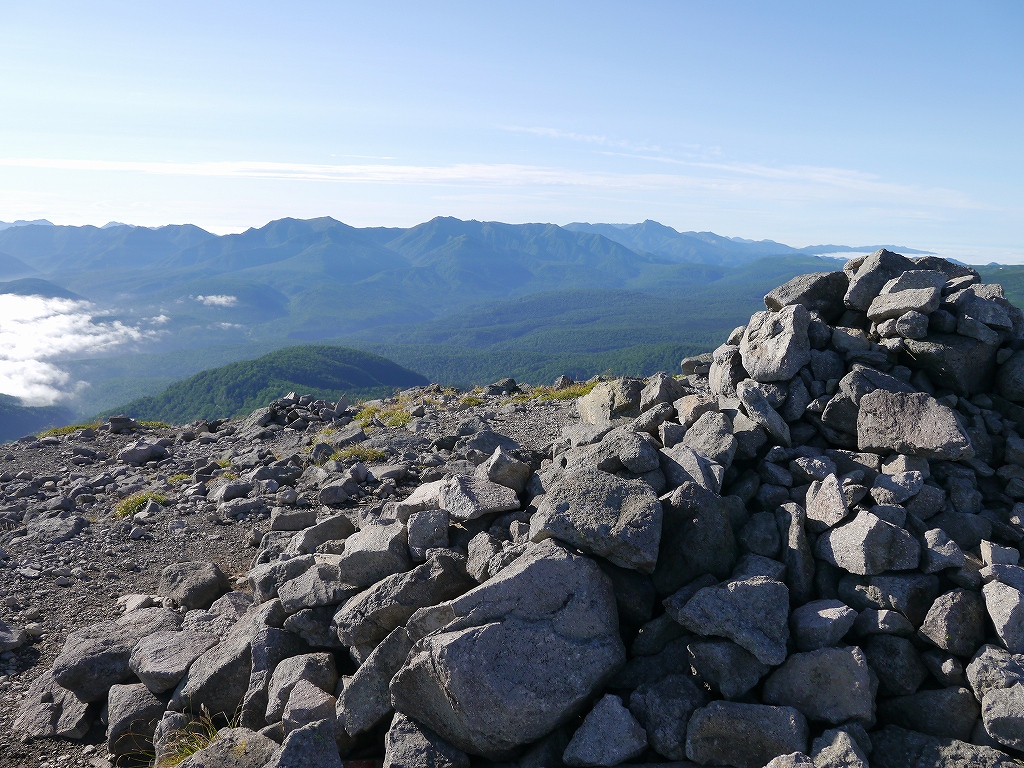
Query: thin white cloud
217, 300
585, 138
37, 332
739, 181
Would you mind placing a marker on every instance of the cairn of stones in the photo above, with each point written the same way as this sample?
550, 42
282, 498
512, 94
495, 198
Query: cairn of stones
801, 551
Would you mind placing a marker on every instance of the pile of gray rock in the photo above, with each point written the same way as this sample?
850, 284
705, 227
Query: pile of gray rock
802, 551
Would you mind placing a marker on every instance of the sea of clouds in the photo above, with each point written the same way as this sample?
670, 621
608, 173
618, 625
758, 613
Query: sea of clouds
36, 333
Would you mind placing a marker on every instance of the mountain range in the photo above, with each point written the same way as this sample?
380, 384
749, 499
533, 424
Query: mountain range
457, 301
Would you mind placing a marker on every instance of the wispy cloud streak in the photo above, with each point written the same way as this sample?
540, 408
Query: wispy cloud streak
740, 180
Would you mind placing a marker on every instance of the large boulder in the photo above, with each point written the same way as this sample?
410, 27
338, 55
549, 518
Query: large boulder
697, 538
833, 685
744, 735
752, 612
370, 616
915, 424
97, 657
820, 292
895, 747
604, 515
516, 657
869, 274
192, 585
467, 497
50, 710
161, 659
775, 345
868, 545
962, 364
409, 745
234, 748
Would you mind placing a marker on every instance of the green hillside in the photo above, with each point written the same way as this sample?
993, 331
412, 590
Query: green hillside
239, 388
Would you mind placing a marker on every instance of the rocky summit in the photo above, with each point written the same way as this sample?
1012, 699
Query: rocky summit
801, 550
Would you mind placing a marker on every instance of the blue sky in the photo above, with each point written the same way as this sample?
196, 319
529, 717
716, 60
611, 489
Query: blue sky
808, 122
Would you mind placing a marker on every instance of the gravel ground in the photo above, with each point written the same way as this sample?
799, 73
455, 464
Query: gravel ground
54, 588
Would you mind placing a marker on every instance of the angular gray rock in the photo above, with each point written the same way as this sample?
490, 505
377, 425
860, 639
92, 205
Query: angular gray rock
697, 539
821, 624
234, 748
604, 515
161, 659
219, 679
761, 412
504, 469
992, 667
428, 529
711, 435
132, 715
192, 585
375, 552
911, 423
365, 699
681, 464
48, 710
947, 712
868, 275
323, 584
409, 745
495, 676
1002, 712
726, 370
869, 545
370, 616
775, 345
833, 685
266, 578
744, 735
608, 736
467, 498
820, 292
956, 622
898, 748
308, 704
826, 505
837, 749
663, 709
1005, 606
315, 668
917, 290
311, 746
897, 664
725, 667
96, 657
752, 612
11, 638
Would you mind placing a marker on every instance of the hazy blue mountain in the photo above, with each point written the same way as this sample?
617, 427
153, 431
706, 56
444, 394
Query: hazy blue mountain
51, 249
23, 222
707, 247
16, 420
12, 268
33, 286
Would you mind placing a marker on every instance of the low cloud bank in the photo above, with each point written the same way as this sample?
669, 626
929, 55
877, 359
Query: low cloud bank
37, 332
218, 300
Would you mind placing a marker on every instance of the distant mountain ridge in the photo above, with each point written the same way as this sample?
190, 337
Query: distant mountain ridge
410, 293
707, 247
